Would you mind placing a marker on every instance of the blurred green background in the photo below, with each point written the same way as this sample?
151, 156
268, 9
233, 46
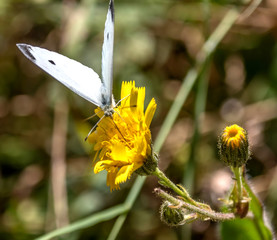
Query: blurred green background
156, 43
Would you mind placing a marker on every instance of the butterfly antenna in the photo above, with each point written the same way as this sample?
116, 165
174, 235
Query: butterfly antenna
122, 100
123, 107
118, 112
94, 127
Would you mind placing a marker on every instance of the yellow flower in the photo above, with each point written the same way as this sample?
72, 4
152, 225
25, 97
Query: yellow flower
233, 135
123, 142
233, 146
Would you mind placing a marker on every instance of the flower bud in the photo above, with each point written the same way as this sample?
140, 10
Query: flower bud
175, 216
233, 146
171, 215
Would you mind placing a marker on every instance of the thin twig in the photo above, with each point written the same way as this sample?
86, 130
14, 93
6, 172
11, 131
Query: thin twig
212, 215
58, 165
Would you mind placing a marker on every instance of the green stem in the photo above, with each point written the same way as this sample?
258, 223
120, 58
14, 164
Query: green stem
129, 202
87, 222
167, 182
204, 213
117, 226
192, 75
258, 213
238, 175
119, 210
200, 103
181, 191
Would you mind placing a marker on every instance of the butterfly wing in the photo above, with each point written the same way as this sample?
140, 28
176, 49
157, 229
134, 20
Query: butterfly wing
74, 75
107, 56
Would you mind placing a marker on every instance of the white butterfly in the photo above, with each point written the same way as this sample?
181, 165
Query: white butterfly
77, 77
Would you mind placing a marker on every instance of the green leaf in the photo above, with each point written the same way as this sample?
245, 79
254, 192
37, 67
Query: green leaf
257, 210
240, 229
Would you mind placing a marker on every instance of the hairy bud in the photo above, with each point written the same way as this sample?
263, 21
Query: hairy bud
233, 146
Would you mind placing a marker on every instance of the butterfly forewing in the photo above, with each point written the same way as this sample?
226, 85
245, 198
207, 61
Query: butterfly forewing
107, 56
80, 79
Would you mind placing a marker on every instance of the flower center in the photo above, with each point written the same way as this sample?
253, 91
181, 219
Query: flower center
233, 132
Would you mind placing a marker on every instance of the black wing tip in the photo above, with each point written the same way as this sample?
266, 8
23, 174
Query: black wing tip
26, 50
23, 46
111, 7
20, 44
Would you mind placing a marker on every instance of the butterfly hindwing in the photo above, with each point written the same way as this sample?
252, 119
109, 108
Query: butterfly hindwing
80, 79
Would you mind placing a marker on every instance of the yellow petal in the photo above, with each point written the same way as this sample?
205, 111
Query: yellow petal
126, 88
140, 102
111, 180
98, 167
141, 147
123, 174
119, 151
133, 99
150, 111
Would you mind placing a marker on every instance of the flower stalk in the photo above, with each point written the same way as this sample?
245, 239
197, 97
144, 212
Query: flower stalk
180, 190
197, 210
234, 152
203, 213
239, 197
167, 183
238, 175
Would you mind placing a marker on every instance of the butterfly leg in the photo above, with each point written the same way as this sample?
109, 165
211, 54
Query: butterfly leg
94, 127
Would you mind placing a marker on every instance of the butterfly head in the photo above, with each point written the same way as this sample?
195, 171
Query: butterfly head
108, 110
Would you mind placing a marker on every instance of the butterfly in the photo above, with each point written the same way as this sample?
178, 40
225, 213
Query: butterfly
81, 79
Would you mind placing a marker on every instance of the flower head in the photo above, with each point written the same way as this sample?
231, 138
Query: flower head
233, 146
123, 141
